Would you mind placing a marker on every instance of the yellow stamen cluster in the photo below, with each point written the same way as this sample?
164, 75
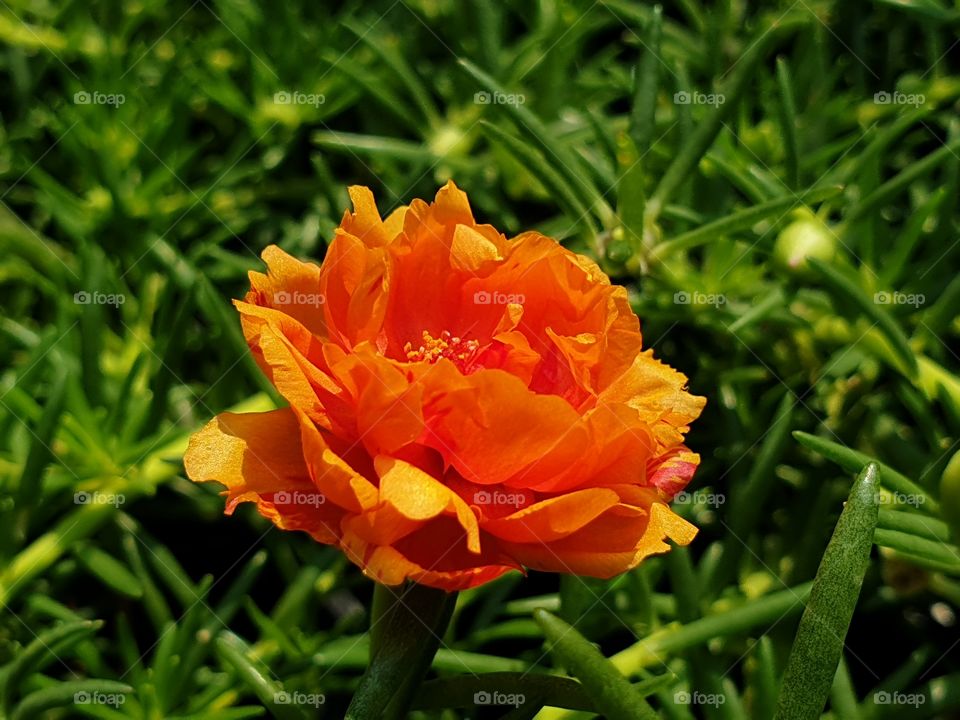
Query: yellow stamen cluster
446, 346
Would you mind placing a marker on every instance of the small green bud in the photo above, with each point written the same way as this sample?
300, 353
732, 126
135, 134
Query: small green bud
806, 237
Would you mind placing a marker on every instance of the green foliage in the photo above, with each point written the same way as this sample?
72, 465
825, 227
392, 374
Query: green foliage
149, 151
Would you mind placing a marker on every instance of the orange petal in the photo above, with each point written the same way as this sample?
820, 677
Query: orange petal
553, 518
293, 360
292, 287
671, 473
435, 555
657, 392
494, 430
364, 222
418, 496
355, 282
386, 406
470, 250
258, 457
614, 543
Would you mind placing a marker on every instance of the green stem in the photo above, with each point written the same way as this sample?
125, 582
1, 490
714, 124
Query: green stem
406, 629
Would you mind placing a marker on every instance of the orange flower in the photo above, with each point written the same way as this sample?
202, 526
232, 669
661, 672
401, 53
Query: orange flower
461, 404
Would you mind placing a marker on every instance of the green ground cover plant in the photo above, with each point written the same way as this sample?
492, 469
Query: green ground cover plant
774, 183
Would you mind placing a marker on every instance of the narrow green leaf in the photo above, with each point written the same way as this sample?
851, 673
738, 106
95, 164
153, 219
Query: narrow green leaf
374, 145
49, 547
554, 182
166, 565
256, 676
896, 259
562, 692
153, 600
612, 694
108, 570
843, 696
850, 460
41, 440
566, 162
763, 677
81, 692
744, 219
351, 652
914, 523
234, 713
631, 200
396, 61
788, 121
42, 651
747, 506
846, 287
936, 551
818, 645
647, 84
659, 645
938, 316
689, 154
900, 182
211, 304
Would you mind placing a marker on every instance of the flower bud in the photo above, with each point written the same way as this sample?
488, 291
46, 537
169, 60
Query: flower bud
806, 237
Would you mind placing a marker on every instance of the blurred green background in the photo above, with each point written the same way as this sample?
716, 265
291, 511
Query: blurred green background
707, 156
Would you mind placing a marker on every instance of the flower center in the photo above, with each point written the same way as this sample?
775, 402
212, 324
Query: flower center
453, 348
